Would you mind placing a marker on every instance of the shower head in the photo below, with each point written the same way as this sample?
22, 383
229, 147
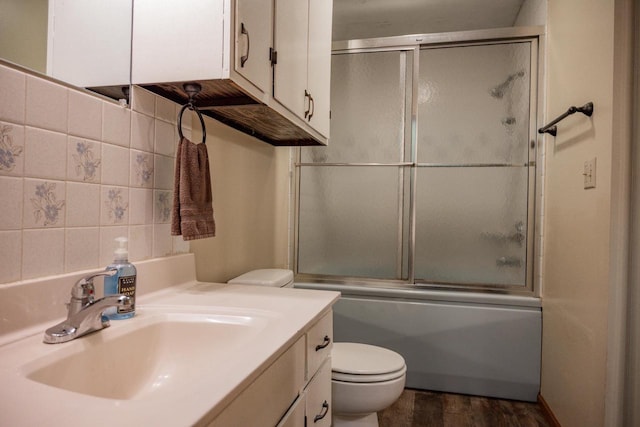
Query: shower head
499, 91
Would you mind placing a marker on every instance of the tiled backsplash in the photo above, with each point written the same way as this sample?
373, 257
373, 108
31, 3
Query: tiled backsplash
77, 171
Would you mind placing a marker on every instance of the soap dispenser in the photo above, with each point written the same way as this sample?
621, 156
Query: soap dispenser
123, 282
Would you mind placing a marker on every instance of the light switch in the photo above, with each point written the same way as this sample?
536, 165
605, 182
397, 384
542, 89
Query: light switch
590, 173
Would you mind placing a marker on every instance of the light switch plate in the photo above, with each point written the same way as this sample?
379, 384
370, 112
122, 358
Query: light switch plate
590, 173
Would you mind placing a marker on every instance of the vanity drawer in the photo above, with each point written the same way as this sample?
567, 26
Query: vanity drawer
319, 343
318, 397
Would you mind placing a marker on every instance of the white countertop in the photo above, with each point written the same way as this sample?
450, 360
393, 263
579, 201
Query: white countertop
283, 315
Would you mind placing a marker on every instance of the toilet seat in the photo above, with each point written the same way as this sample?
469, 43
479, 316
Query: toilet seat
363, 363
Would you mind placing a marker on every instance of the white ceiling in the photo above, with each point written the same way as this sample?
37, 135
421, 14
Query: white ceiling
358, 19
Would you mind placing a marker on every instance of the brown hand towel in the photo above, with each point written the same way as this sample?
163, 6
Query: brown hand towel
192, 199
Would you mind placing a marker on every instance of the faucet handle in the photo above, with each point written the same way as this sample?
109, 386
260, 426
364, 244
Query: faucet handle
83, 291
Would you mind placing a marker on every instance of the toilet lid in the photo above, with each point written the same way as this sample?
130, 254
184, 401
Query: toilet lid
359, 360
274, 277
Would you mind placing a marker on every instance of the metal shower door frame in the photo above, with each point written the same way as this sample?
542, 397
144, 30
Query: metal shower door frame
414, 44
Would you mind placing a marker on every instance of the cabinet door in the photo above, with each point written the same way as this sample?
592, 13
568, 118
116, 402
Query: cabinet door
177, 40
319, 64
290, 42
318, 397
253, 40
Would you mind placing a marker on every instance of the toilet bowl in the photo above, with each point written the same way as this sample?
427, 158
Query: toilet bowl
365, 379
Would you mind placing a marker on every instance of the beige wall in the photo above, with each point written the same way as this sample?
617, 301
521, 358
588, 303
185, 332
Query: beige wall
250, 201
576, 286
23, 32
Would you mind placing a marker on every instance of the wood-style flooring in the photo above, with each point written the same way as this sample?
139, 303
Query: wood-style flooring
418, 408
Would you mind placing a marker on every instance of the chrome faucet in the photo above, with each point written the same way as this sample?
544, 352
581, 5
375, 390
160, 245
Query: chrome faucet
84, 312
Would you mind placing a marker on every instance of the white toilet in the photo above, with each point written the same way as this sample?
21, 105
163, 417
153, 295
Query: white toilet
365, 379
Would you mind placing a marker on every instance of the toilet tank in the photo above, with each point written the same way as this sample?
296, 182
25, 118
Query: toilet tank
274, 277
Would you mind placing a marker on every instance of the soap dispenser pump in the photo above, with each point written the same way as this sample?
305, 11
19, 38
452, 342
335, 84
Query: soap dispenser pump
123, 282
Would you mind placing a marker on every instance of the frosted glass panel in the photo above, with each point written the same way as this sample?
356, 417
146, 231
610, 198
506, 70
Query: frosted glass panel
473, 104
471, 225
368, 108
349, 221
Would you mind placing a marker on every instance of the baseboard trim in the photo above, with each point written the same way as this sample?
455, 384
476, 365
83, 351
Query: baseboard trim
547, 412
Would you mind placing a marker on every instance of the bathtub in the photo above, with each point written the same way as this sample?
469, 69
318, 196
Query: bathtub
470, 343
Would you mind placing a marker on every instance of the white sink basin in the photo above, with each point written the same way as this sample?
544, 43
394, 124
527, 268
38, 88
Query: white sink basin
189, 351
151, 352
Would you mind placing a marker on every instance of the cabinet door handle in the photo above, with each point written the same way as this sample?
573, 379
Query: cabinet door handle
323, 413
307, 95
312, 107
325, 342
244, 58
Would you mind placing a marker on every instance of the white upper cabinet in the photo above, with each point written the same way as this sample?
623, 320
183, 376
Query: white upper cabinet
192, 40
89, 42
226, 46
253, 41
302, 40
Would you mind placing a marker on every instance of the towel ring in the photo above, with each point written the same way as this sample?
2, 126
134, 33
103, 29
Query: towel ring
192, 90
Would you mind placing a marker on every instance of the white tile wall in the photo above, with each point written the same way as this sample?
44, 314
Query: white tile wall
142, 131
81, 249
10, 256
141, 206
165, 138
164, 171
46, 104
85, 115
12, 192
115, 161
42, 252
12, 95
82, 171
116, 124
83, 205
45, 154
141, 242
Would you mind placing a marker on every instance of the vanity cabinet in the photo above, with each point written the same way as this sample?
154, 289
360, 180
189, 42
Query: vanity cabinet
296, 385
228, 47
302, 70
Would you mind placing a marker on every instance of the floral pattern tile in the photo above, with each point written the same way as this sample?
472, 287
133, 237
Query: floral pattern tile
163, 205
10, 149
142, 169
85, 160
115, 206
47, 204
76, 171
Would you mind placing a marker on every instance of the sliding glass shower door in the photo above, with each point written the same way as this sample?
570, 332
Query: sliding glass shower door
473, 165
429, 175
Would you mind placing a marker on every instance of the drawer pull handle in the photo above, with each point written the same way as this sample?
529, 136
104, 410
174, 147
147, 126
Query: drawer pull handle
323, 413
324, 344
